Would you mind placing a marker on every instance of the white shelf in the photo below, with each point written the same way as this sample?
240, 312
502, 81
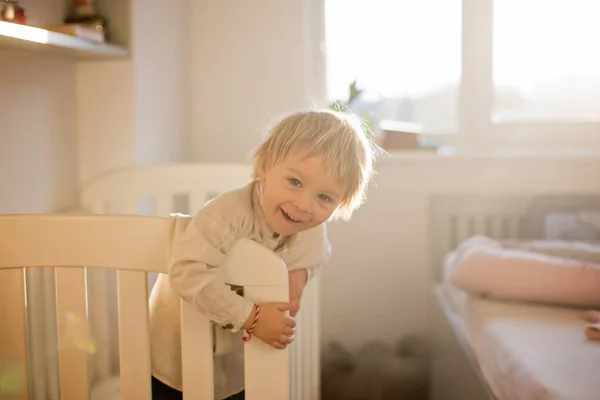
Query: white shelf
28, 37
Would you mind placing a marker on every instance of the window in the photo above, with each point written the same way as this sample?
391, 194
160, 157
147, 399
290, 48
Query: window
498, 72
546, 66
406, 58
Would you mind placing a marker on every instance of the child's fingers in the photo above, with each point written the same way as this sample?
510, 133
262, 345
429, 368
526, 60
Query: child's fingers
289, 331
285, 339
291, 322
278, 345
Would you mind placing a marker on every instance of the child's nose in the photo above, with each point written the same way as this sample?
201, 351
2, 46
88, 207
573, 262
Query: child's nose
304, 203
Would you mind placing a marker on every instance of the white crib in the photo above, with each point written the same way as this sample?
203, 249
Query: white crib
163, 189
157, 190
132, 246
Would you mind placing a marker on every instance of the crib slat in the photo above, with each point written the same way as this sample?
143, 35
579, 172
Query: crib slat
98, 286
312, 330
98, 304
74, 341
38, 359
294, 361
266, 370
13, 341
196, 354
164, 204
134, 335
50, 335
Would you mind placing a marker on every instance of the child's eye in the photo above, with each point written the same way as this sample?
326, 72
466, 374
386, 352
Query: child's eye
295, 182
325, 198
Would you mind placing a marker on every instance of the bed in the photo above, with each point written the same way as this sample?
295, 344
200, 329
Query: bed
483, 348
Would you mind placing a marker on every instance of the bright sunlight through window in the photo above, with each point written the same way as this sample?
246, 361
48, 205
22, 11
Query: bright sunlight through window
405, 53
546, 60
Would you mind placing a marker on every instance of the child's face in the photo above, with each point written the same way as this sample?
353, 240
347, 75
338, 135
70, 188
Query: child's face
299, 193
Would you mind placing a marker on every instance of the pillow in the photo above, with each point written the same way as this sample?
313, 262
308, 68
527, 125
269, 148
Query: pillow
512, 273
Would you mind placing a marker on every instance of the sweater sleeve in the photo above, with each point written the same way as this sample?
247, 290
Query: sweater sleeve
196, 254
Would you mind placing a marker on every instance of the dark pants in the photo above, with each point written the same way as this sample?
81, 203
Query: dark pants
160, 391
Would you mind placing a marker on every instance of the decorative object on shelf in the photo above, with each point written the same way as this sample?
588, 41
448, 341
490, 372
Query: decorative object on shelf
402, 135
85, 13
82, 31
11, 11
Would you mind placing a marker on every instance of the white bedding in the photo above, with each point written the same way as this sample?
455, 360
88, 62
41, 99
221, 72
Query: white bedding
534, 352
528, 351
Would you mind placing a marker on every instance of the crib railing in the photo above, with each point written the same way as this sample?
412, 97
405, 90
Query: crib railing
133, 246
183, 188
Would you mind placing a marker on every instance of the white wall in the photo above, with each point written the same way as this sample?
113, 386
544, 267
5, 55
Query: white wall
375, 288
134, 111
378, 284
250, 62
160, 78
105, 117
38, 153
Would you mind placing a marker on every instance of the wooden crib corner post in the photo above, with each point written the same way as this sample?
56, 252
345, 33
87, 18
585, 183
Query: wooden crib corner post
264, 277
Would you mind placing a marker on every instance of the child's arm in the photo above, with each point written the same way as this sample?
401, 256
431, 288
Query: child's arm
193, 275
199, 286
310, 256
297, 282
195, 249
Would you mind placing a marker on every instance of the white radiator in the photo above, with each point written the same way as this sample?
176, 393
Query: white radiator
454, 218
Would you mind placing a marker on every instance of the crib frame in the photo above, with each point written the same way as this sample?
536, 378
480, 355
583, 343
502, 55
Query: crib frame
133, 246
184, 187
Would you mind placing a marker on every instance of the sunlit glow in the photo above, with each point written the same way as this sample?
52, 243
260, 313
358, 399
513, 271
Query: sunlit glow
545, 59
23, 32
394, 48
540, 40
78, 335
12, 377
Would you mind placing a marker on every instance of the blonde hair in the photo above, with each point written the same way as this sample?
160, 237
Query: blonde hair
336, 136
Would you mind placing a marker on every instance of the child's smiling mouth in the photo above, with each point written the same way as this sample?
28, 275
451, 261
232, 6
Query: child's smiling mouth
288, 216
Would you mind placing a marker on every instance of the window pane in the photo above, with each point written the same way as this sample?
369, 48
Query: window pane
546, 61
404, 53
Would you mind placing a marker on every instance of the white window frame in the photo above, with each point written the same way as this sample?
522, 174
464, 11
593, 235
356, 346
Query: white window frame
475, 125
476, 97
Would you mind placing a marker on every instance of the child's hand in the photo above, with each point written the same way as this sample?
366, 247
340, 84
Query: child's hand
273, 327
298, 280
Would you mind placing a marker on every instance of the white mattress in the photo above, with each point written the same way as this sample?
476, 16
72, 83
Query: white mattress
533, 352
527, 351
